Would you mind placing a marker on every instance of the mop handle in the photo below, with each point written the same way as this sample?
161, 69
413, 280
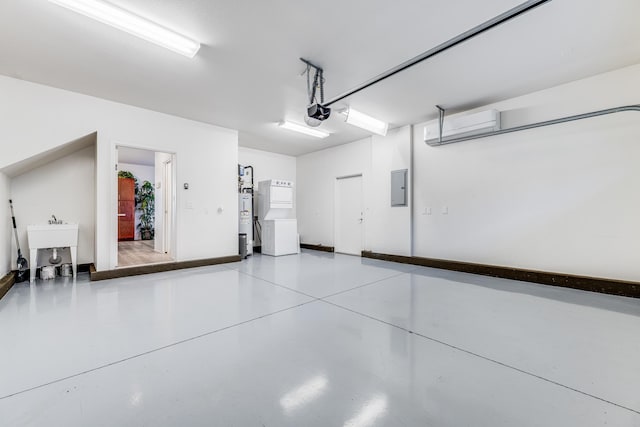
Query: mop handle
15, 229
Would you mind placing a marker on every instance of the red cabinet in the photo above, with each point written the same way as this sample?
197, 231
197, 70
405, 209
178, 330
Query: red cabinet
126, 209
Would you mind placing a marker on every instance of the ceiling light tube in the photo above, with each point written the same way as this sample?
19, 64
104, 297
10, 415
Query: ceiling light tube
303, 129
132, 24
361, 120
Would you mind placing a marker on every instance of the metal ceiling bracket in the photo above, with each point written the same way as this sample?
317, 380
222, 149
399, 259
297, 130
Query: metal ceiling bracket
311, 64
440, 122
318, 81
486, 26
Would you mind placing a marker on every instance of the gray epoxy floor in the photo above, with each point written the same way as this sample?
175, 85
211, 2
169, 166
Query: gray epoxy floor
316, 340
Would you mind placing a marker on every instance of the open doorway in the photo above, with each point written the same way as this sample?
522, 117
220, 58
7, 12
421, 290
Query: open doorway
145, 206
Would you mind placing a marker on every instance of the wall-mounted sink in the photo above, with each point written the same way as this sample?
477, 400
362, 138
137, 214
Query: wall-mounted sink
52, 236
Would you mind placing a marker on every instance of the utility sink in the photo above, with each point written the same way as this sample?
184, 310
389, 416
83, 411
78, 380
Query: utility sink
52, 236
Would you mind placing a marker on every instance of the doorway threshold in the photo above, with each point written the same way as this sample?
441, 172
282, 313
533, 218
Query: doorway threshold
157, 268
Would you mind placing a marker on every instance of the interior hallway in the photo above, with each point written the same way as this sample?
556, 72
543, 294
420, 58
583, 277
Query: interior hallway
139, 252
317, 339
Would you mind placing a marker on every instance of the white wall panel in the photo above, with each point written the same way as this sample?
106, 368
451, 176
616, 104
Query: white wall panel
64, 188
40, 118
316, 176
6, 261
563, 198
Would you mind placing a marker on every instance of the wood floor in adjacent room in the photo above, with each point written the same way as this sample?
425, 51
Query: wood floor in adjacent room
139, 252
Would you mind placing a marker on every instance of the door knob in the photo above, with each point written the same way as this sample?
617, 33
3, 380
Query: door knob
124, 214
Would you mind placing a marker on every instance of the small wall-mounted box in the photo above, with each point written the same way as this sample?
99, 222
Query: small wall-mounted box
399, 188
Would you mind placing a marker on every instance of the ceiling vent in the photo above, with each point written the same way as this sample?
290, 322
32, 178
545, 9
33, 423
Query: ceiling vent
470, 124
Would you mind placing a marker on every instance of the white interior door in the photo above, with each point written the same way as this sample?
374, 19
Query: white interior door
167, 208
348, 216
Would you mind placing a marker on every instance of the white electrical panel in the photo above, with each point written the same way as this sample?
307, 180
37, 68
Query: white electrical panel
399, 187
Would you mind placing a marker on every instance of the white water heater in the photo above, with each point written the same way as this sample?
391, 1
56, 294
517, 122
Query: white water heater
245, 225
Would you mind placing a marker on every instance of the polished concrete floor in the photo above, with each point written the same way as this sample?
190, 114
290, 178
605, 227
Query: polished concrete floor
139, 252
316, 340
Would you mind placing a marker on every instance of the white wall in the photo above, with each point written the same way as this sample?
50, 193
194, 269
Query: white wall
39, 118
316, 177
6, 262
563, 198
388, 228
64, 188
143, 173
266, 166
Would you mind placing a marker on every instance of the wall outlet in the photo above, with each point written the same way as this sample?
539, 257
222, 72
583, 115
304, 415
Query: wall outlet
189, 204
426, 211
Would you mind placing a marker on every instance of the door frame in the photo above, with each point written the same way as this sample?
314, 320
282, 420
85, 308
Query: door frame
335, 209
168, 206
113, 222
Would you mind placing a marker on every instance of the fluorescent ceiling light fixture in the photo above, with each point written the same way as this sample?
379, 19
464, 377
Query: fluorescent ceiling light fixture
303, 129
366, 122
132, 24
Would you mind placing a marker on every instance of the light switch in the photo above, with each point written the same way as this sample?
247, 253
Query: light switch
445, 210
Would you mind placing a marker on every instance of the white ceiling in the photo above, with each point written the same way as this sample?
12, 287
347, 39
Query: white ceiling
247, 73
135, 156
49, 156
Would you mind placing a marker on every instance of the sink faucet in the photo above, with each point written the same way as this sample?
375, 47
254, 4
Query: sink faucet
54, 220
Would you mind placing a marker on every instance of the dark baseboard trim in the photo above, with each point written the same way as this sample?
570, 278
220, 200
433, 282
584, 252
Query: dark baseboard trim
84, 268
157, 268
592, 284
317, 247
6, 282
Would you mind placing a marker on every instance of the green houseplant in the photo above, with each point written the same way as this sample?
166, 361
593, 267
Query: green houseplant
145, 202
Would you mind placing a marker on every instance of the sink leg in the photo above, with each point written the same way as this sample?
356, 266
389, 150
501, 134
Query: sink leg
33, 256
74, 261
